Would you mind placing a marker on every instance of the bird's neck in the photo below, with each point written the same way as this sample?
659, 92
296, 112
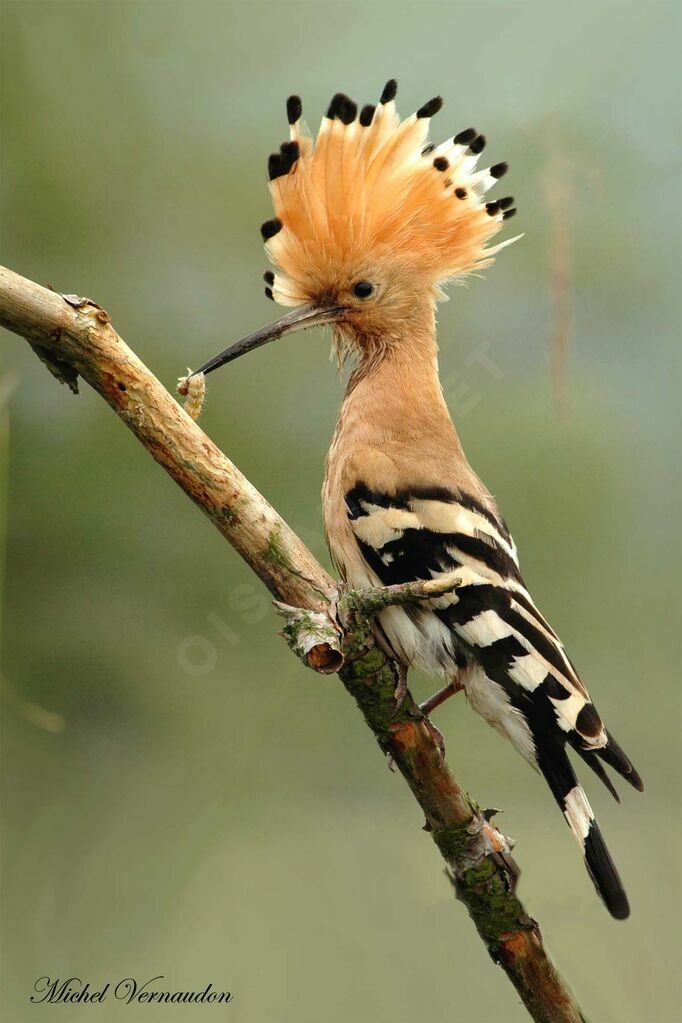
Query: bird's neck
396, 397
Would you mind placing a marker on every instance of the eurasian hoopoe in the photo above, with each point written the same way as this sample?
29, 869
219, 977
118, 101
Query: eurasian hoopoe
370, 222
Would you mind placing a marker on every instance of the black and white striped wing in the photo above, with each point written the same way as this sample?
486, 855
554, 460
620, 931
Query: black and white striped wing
522, 680
422, 534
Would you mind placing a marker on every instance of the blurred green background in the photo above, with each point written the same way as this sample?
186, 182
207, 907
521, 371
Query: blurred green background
180, 796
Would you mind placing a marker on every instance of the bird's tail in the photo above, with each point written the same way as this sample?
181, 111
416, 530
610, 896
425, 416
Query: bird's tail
611, 754
560, 776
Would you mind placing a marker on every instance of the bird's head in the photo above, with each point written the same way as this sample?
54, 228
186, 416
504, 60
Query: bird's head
371, 221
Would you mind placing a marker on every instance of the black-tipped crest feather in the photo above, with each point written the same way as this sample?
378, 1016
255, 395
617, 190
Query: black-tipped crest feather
294, 109
389, 91
431, 108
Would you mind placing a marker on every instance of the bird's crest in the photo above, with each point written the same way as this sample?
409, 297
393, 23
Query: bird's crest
371, 186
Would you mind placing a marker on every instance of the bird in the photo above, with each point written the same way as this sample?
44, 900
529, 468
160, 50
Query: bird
372, 221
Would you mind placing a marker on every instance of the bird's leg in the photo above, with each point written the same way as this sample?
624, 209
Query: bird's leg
440, 697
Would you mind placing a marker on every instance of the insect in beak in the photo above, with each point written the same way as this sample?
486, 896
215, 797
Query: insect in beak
304, 316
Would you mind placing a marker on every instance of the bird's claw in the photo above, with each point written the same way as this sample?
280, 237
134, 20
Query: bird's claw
437, 737
401, 687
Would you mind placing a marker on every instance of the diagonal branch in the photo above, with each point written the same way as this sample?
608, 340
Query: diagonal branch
74, 336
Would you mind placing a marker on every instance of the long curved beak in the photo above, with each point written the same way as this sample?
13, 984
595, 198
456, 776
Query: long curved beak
301, 318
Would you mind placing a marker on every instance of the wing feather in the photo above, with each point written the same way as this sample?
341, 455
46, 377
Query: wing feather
422, 534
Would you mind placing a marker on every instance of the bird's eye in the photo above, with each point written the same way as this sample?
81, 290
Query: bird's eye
363, 289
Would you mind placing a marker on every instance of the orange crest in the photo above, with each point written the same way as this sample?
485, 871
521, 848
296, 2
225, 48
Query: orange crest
372, 188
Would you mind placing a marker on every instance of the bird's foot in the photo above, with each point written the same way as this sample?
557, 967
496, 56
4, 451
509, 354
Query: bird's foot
437, 737
430, 705
401, 686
